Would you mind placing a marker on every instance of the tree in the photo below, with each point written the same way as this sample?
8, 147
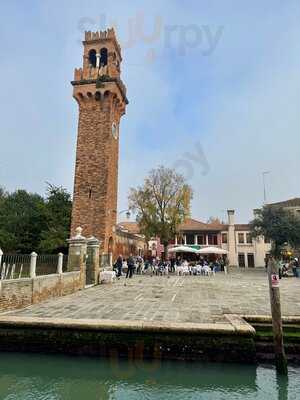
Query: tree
214, 220
58, 207
161, 204
28, 222
280, 226
21, 221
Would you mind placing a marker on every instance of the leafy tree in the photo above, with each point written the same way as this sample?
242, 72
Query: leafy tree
280, 226
21, 221
214, 220
161, 204
58, 207
28, 222
2, 193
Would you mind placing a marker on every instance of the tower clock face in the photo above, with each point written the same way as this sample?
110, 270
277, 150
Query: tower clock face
114, 130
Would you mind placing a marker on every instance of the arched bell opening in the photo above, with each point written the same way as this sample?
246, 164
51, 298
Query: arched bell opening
103, 56
92, 58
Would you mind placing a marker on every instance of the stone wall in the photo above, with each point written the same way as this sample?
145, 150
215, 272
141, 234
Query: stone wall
229, 342
19, 293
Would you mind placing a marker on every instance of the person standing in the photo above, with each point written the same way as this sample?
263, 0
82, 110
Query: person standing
295, 266
173, 264
130, 263
119, 265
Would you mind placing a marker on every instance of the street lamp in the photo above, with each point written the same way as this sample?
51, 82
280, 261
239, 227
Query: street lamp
264, 183
128, 214
120, 212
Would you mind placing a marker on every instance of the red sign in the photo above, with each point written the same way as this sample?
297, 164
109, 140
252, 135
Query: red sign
275, 280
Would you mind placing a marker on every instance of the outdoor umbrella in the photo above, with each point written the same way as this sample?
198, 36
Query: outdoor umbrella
211, 250
182, 249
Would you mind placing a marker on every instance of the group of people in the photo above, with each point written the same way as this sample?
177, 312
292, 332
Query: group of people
202, 266
286, 266
156, 266
130, 264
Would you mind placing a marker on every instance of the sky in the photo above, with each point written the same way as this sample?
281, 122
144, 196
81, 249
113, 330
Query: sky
213, 91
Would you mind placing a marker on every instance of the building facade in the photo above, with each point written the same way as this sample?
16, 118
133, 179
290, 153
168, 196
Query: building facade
291, 205
101, 97
243, 251
129, 240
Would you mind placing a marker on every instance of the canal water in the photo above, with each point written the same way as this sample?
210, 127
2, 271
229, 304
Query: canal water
44, 377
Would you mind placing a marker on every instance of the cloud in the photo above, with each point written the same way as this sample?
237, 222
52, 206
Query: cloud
240, 103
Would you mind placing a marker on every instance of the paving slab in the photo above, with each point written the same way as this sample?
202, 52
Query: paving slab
184, 299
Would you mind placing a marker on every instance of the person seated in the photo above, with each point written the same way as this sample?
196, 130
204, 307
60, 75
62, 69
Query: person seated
206, 270
198, 269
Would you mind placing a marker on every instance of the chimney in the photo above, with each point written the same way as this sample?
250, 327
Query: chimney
230, 217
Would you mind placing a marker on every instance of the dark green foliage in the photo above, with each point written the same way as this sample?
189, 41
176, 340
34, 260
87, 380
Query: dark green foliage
58, 206
28, 222
21, 221
280, 226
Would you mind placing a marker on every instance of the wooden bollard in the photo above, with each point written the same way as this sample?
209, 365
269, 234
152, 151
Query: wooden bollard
280, 357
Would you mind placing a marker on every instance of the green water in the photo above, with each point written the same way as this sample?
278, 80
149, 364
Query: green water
42, 377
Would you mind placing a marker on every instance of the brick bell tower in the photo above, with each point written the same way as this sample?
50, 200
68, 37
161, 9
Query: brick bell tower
101, 96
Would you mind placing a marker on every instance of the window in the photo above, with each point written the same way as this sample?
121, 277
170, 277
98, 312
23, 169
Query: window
103, 56
92, 58
212, 239
250, 258
190, 239
201, 239
241, 238
180, 240
248, 237
241, 257
224, 238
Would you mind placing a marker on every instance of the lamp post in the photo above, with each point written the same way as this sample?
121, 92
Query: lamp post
264, 184
128, 214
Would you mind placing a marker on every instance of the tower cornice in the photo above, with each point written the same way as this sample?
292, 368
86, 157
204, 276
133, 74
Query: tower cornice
104, 79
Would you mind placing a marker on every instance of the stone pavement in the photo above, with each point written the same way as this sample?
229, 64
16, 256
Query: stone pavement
197, 299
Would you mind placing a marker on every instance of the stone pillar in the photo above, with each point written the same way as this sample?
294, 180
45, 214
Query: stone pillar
196, 239
232, 253
97, 60
260, 247
33, 258
176, 240
77, 254
110, 259
60, 263
184, 238
93, 261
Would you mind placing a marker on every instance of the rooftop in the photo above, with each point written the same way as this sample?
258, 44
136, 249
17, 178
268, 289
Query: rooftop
131, 227
295, 202
194, 225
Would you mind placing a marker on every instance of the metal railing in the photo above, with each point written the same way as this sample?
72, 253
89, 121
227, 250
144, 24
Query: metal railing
16, 266
47, 264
